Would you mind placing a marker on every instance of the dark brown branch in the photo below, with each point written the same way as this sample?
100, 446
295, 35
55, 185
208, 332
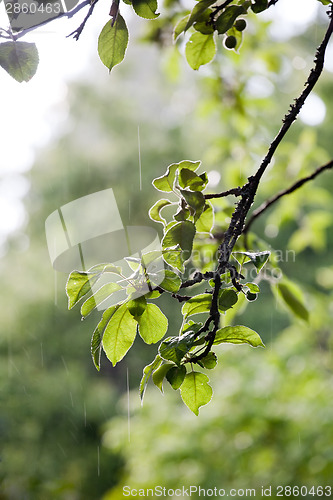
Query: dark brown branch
235, 191
249, 190
264, 206
77, 33
296, 108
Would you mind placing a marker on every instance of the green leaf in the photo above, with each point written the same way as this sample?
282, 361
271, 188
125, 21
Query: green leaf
206, 220
226, 20
154, 212
112, 42
209, 361
98, 297
19, 59
238, 335
160, 373
258, 259
253, 287
259, 6
137, 306
165, 182
181, 234
175, 348
96, 348
171, 281
195, 200
145, 8
293, 298
175, 376
174, 257
152, 324
195, 391
119, 334
200, 49
182, 214
190, 179
78, 285
147, 371
227, 299
180, 27
96, 340
197, 304
198, 11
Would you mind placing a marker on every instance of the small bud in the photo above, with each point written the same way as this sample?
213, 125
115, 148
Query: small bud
240, 24
230, 42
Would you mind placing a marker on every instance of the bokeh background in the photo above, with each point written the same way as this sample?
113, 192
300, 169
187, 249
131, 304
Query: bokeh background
70, 433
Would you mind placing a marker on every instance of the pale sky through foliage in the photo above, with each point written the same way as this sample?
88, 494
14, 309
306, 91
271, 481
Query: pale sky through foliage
33, 112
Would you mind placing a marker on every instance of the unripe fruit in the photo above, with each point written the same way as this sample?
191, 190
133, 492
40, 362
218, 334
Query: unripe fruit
240, 24
230, 42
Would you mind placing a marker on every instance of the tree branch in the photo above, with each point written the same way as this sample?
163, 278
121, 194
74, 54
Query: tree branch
235, 191
77, 33
264, 206
249, 190
69, 15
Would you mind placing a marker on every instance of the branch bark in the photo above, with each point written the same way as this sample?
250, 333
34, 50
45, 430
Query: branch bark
264, 206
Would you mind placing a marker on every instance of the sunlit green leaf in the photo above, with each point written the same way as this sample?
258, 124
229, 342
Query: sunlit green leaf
145, 8
155, 211
180, 26
197, 304
19, 59
200, 49
258, 259
165, 182
147, 371
175, 348
188, 178
152, 324
195, 391
160, 373
97, 337
206, 220
175, 376
119, 334
253, 287
227, 299
181, 234
209, 361
171, 281
198, 11
137, 306
195, 200
238, 335
98, 297
78, 285
112, 42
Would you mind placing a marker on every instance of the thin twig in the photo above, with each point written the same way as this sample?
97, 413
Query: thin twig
77, 33
235, 191
264, 206
69, 15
